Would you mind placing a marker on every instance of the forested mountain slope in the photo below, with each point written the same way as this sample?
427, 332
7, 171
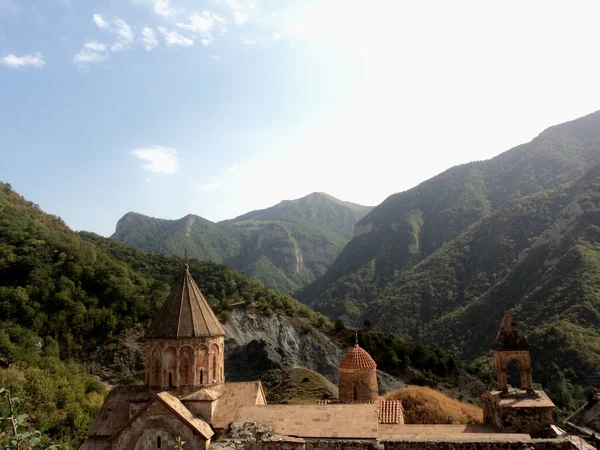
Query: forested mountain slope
552, 287
73, 299
408, 227
285, 246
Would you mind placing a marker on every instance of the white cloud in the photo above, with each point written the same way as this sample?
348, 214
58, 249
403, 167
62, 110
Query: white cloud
35, 60
162, 8
149, 38
207, 24
124, 35
239, 17
174, 38
158, 159
214, 58
91, 52
95, 46
100, 22
120, 28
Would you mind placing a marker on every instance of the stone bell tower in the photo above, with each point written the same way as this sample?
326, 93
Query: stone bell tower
520, 411
511, 345
185, 344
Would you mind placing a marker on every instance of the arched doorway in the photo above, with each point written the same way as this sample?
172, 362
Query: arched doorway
513, 374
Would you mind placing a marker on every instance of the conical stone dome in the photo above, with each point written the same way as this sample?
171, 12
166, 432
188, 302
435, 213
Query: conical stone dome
357, 358
185, 314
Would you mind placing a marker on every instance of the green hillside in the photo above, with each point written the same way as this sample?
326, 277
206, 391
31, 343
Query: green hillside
553, 288
286, 246
74, 303
68, 300
408, 227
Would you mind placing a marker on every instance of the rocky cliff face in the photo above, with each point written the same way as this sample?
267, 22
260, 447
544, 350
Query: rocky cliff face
265, 347
270, 348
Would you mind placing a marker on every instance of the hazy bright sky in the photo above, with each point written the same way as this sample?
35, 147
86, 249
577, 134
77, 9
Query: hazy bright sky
220, 107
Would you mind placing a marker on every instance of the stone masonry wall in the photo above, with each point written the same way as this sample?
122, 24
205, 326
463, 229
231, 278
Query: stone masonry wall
358, 386
184, 362
156, 421
419, 444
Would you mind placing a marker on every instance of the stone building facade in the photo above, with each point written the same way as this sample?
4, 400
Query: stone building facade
511, 345
520, 411
185, 345
185, 394
358, 377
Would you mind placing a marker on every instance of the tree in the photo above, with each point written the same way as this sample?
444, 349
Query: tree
367, 323
339, 325
18, 437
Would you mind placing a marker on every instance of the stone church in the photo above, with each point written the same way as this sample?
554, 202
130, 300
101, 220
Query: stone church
185, 395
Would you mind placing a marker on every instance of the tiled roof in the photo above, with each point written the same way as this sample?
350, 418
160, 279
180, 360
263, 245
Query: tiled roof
357, 358
509, 337
186, 313
390, 411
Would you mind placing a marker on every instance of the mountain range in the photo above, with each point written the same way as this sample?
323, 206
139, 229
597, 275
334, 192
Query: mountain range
286, 246
440, 262
78, 303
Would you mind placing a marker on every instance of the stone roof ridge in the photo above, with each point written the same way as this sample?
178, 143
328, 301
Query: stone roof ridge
177, 408
509, 337
185, 313
202, 395
357, 358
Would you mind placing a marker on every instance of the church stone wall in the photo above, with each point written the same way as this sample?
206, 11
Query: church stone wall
358, 386
188, 361
395, 444
537, 444
157, 421
204, 409
532, 420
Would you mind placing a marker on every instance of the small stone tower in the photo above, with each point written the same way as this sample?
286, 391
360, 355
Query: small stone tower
530, 412
358, 377
185, 344
510, 344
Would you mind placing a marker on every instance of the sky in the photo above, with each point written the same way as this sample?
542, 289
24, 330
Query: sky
220, 107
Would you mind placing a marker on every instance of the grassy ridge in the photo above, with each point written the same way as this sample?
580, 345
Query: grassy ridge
423, 405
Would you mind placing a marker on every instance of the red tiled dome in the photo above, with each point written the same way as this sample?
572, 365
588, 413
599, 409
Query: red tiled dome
357, 358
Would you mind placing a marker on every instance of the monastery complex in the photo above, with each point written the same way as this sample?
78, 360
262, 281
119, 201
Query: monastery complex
185, 396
